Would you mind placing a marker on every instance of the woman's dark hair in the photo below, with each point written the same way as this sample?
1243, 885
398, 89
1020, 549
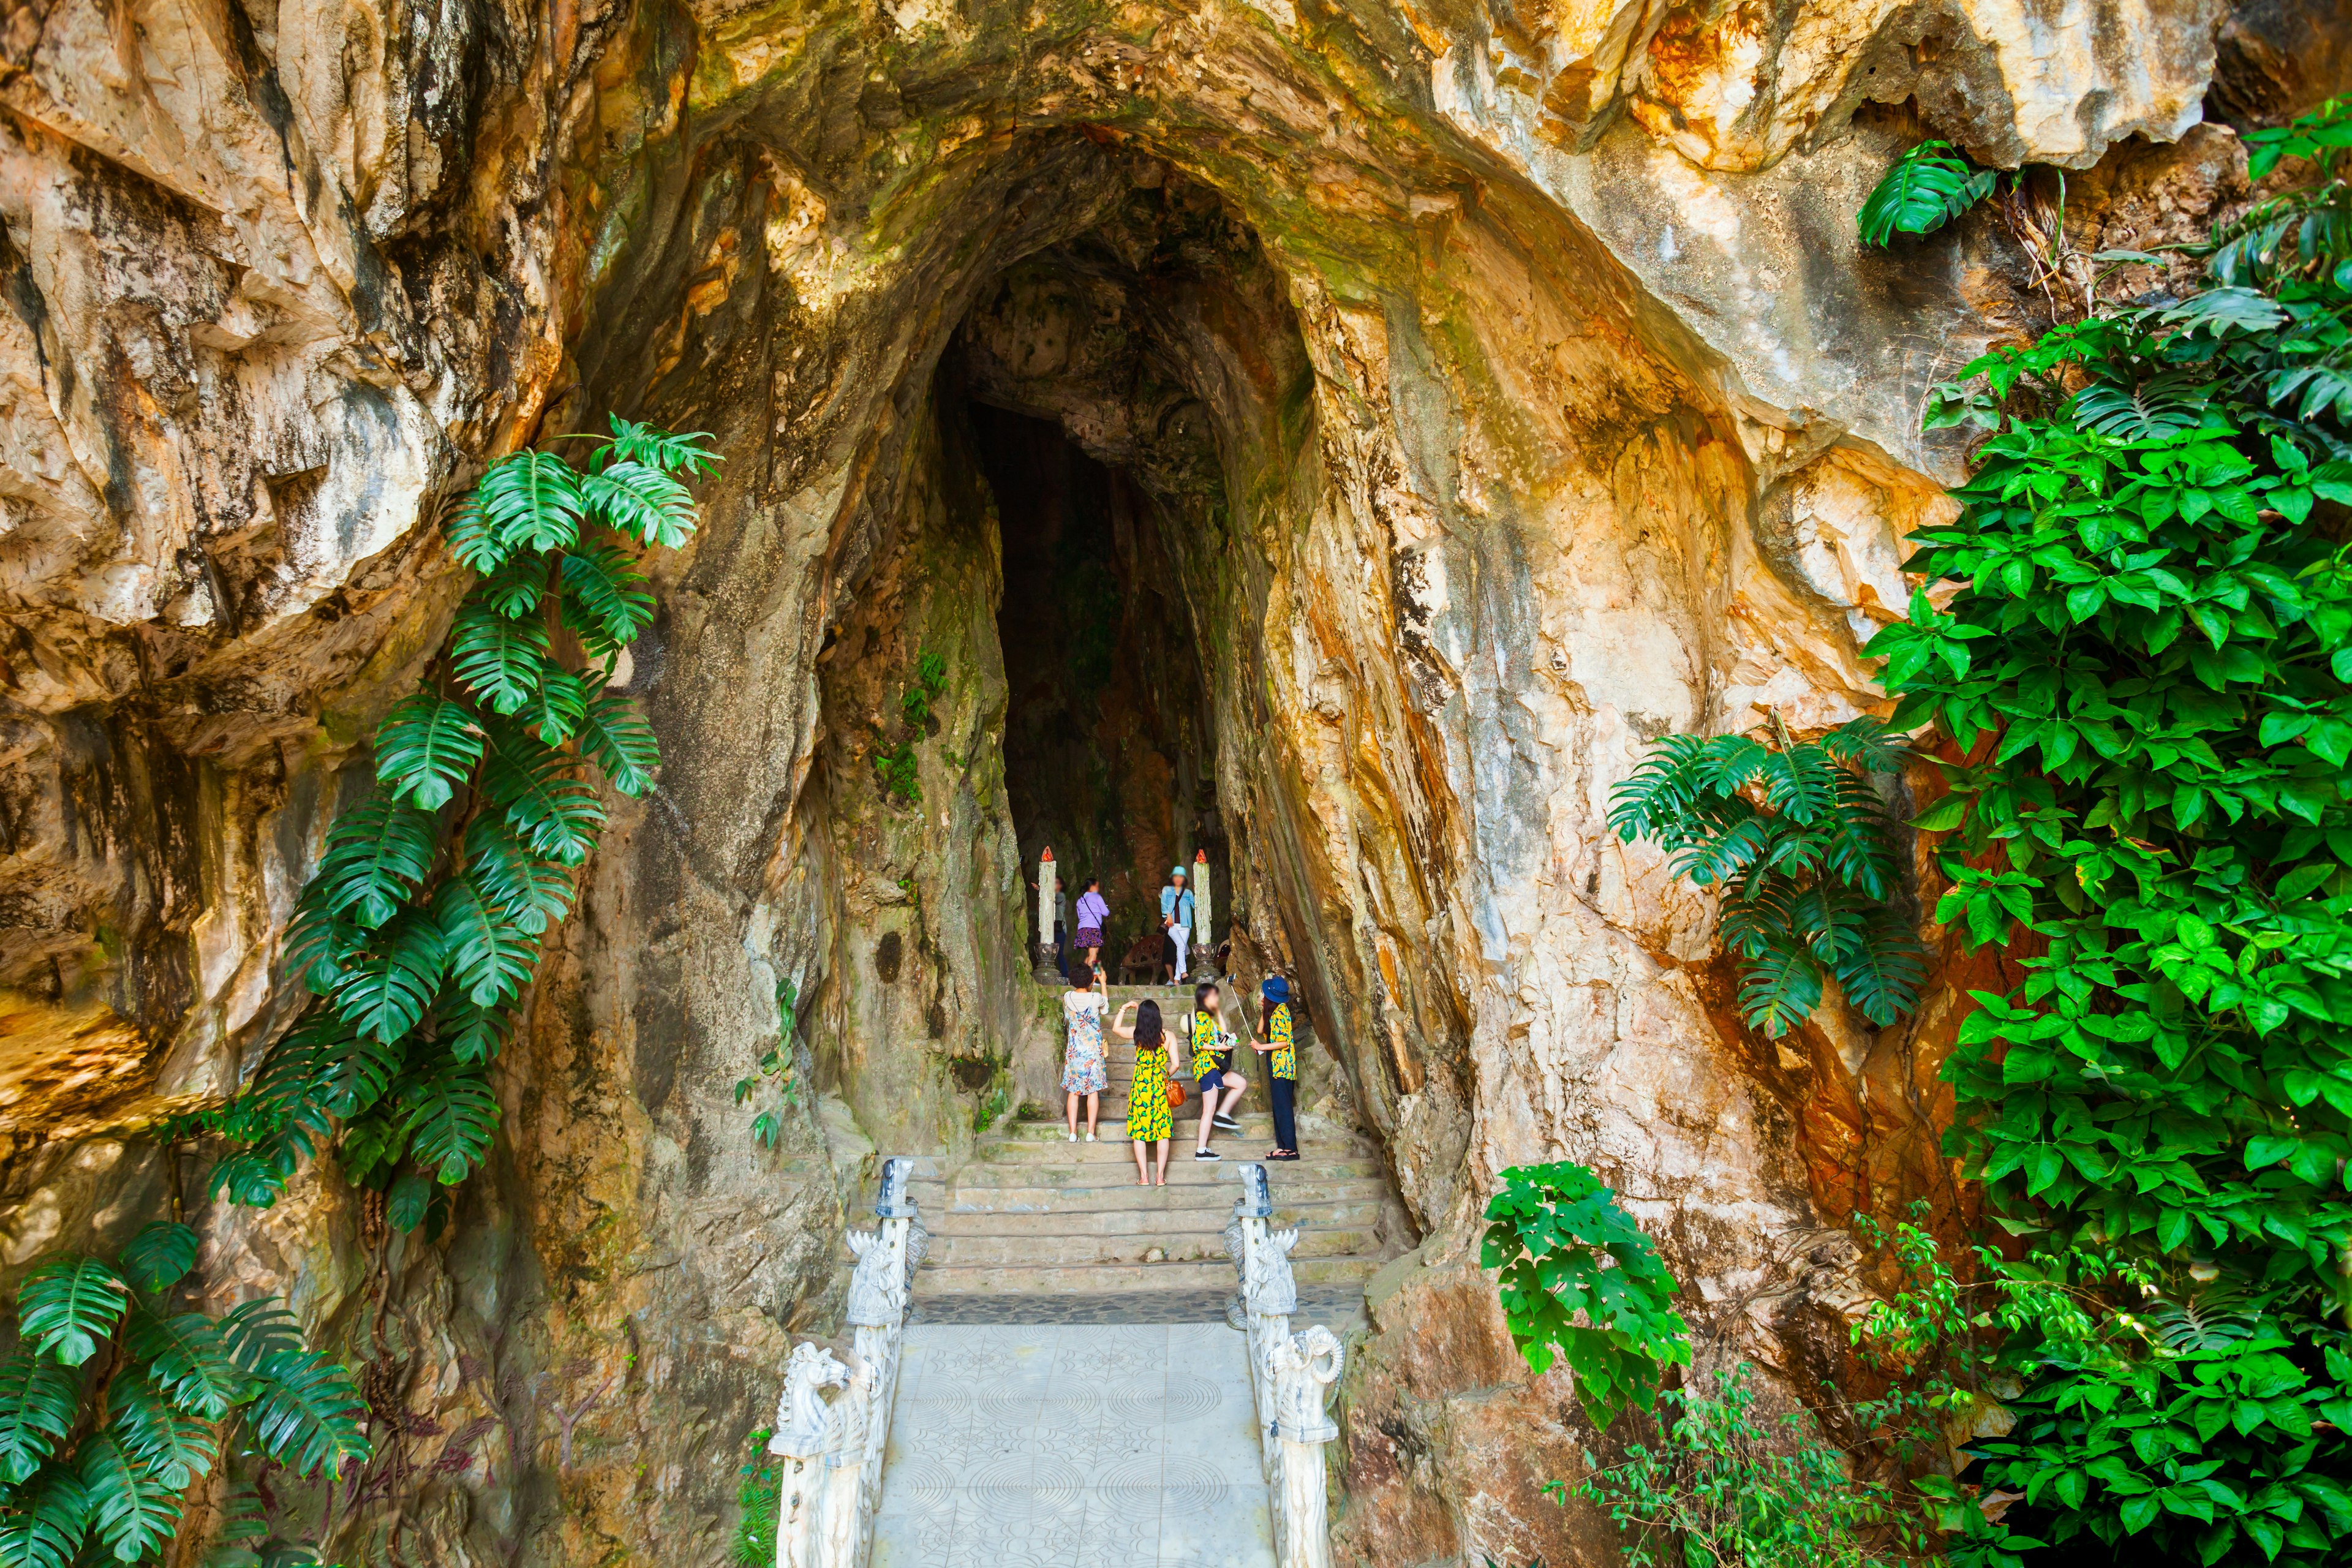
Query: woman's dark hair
1082, 975
1092, 883
1265, 1006
1148, 1032
1202, 992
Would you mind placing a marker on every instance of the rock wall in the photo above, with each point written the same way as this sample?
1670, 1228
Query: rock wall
1512, 390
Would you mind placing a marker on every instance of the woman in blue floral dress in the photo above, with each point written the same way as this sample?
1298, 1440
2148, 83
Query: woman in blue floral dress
1084, 1067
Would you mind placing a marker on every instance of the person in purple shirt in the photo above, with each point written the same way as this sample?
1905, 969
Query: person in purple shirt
1093, 915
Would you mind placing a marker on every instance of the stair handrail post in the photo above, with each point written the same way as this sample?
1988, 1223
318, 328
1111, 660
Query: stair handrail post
1305, 1366
879, 1291
1267, 1295
806, 1429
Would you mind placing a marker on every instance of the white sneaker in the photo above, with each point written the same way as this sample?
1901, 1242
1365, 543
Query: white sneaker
1090, 1137
1070, 1135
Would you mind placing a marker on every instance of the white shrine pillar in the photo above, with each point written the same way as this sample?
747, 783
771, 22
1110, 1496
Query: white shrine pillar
1047, 886
1204, 942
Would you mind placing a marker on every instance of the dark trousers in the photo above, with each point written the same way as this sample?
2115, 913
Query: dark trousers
1284, 1094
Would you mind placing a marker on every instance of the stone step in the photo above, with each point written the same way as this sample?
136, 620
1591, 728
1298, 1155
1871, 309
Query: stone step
1077, 1164
934, 1279
952, 1249
1007, 1189
1254, 1124
1333, 1217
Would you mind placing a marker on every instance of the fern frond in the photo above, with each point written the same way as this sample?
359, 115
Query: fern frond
1800, 783
531, 891
605, 602
1657, 791
45, 1522
472, 538
1779, 988
1722, 858
452, 1118
38, 1402
472, 1033
319, 941
635, 443
69, 1306
135, 1512
307, 1414
387, 988
173, 1448
614, 734
562, 700
377, 853
2216, 1318
373, 1141
1729, 763
641, 502
533, 501
489, 959
189, 1361
1858, 836
161, 1255
554, 814
517, 588
257, 1329
1881, 968
426, 748
499, 661
1863, 744
325, 1068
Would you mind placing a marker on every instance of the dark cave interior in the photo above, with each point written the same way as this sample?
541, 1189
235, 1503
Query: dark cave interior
1108, 742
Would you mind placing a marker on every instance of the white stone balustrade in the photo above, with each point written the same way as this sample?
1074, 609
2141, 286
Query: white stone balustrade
831, 1451
1290, 1375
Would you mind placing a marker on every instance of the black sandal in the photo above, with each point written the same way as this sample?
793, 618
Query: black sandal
1282, 1154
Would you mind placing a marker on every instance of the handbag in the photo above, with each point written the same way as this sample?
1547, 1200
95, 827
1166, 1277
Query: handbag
1175, 1094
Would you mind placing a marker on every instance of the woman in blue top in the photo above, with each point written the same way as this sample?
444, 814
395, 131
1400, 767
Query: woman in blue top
1176, 919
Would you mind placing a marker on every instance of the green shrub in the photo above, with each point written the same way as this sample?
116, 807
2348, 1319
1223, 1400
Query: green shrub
1723, 1488
1566, 1250
1928, 186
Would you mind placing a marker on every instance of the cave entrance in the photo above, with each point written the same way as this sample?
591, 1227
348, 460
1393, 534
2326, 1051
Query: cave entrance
1108, 734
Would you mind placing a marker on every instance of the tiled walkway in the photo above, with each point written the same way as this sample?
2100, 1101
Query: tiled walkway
1074, 1446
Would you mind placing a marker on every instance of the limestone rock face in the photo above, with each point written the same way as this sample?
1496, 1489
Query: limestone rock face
1505, 386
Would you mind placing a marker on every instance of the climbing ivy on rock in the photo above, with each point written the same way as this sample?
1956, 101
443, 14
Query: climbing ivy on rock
1798, 841
2144, 663
421, 926
113, 1407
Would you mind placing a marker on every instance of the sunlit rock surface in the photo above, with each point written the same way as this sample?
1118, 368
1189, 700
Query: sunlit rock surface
1505, 387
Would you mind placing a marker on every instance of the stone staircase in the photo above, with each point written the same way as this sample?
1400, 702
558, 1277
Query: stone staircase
1032, 1214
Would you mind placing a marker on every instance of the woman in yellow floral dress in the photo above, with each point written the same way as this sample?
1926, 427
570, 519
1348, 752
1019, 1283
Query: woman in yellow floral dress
1149, 1119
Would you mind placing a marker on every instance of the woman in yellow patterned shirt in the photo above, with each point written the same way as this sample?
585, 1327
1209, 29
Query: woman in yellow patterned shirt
1220, 1087
1282, 1066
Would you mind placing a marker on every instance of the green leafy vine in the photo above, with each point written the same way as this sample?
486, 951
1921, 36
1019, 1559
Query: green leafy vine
2142, 679
421, 926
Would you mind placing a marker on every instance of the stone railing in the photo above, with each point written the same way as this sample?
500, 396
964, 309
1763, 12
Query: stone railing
831, 1449
1290, 1375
